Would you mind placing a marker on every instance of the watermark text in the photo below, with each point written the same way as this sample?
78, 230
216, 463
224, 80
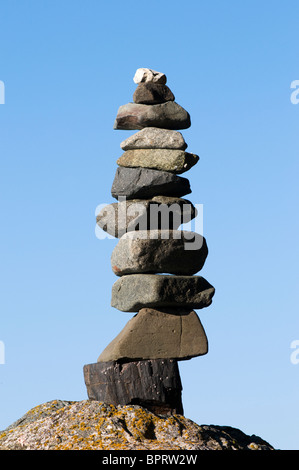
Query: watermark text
151, 220
295, 94
295, 354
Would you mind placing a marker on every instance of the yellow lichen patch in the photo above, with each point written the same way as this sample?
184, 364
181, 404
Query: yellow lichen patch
89, 425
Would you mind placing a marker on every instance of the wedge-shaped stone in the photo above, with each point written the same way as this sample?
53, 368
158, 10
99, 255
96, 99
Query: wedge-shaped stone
155, 138
144, 183
174, 161
157, 334
159, 251
160, 212
169, 115
135, 291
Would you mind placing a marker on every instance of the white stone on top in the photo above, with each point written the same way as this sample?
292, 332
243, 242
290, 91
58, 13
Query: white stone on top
149, 75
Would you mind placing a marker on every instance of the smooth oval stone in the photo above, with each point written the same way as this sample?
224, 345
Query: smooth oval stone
157, 334
160, 212
177, 252
135, 291
155, 138
144, 183
169, 115
174, 161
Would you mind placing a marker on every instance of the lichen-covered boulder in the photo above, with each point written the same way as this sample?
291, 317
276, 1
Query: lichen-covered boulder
92, 425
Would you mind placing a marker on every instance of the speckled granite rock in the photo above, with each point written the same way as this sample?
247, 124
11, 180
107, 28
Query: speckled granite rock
174, 161
179, 252
154, 138
92, 425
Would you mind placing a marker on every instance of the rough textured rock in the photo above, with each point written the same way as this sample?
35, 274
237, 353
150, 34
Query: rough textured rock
152, 93
155, 138
169, 115
136, 291
157, 334
154, 384
159, 251
159, 212
148, 75
174, 161
144, 183
94, 425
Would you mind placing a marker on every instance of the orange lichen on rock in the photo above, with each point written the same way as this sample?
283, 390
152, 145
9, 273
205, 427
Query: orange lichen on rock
92, 425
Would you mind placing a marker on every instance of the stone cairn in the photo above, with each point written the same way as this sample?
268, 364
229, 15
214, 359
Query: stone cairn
155, 261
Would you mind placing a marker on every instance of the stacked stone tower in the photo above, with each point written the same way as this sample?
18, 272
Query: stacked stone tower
155, 261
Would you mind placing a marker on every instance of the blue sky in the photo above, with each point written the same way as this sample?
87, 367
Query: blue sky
67, 66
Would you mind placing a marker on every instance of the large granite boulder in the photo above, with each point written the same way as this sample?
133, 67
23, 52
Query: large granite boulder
95, 425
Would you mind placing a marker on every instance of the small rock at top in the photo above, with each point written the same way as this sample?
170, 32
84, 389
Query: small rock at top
149, 75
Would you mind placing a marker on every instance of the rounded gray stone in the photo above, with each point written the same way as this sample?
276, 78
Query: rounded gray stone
177, 252
160, 212
155, 138
132, 292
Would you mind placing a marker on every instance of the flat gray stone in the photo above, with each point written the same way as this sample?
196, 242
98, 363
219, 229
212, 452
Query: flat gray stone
160, 212
175, 161
155, 138
169, 115
157, 334
144, 183
136, 291
177, 252
152, 93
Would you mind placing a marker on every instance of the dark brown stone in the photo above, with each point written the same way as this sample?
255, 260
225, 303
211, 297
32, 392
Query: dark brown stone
152, 93
169, 115
145, 183
153, 384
